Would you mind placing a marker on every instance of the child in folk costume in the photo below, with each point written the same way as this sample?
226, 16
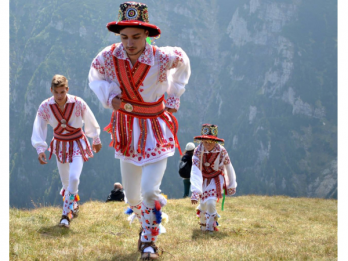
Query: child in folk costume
66, 114
211, 172
131, 78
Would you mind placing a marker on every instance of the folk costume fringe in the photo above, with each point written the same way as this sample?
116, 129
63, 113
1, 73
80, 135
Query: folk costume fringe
63, 139
133, 106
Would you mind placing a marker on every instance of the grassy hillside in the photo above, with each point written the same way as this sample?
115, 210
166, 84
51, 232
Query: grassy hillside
251, 228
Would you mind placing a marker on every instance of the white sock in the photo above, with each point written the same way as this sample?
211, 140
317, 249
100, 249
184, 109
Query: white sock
149, 249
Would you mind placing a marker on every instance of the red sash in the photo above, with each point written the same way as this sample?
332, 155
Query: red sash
209, 173
133, 105
73, 134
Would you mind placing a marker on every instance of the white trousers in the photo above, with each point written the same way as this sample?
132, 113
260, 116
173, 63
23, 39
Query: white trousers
208, 213
142, 183
70, 174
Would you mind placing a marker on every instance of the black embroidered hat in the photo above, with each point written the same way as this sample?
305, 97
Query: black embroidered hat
133, 14
209, 132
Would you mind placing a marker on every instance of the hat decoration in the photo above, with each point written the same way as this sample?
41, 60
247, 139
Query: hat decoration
209, 133
133, 14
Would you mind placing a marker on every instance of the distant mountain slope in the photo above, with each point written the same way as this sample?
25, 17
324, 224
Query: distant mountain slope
264, 71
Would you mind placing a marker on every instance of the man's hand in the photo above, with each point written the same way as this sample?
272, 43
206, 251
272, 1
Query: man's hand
116, 102
96, 147
171, 110
42, 158
194, 202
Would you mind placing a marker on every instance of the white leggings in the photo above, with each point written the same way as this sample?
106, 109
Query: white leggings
70, 174
141, 183
208, 214
209, 206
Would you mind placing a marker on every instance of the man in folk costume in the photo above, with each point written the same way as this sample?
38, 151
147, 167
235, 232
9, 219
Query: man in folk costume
66, 114
211, 172
131, 78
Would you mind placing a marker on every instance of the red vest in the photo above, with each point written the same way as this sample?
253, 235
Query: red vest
73, 134
133, 105
209, 173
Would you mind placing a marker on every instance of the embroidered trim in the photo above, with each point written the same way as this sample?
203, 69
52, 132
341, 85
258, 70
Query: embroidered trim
80, 108
163, 59
195, 196
44, 111
70, 99
40, 150
147, 57
173, 102
150, 154
109, 100
209, 193
96, 65
230, 192
178, 58
96, 141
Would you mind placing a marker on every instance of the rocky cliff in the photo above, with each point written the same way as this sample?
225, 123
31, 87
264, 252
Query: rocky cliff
264, 71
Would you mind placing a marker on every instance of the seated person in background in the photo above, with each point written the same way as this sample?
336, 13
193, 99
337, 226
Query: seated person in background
117, 193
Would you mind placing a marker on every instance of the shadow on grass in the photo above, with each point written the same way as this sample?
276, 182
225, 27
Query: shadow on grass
54, 231
198, 234
125, 257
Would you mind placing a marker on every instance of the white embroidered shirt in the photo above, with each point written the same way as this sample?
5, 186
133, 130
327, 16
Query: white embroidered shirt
169, 73
81, 115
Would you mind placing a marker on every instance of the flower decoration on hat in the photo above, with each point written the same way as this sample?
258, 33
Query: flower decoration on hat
209, 133
133, 14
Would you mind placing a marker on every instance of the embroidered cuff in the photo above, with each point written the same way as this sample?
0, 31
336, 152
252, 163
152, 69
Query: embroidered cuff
231, 191
109, 101
173, 102
40, 150
96, 141
195, 196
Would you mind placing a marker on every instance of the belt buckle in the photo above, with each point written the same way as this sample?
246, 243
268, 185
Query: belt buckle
128, 107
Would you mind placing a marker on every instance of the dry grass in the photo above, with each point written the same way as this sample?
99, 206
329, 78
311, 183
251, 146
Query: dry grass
251, 228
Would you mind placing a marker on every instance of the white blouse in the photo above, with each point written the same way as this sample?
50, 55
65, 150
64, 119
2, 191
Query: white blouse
81, 114
169, 73
222, 162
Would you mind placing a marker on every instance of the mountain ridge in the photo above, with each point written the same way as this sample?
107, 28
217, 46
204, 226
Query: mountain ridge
265, 73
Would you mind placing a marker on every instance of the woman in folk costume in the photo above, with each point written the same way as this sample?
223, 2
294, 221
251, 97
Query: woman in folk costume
131, 77
211, 172
66, 114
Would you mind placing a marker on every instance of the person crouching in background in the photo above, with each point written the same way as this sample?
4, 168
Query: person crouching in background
117, 193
